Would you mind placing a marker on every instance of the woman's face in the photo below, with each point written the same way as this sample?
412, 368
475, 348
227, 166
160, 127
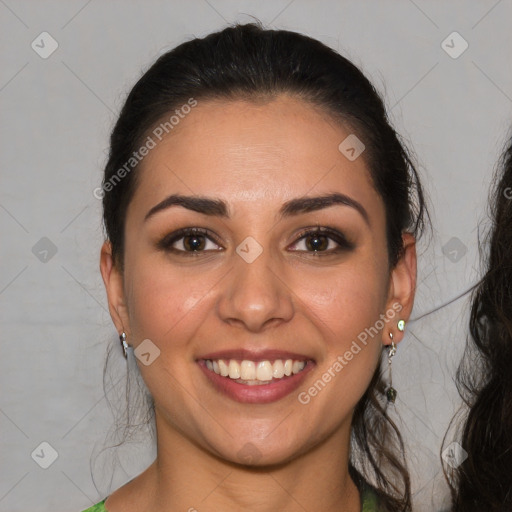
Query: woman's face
256, 290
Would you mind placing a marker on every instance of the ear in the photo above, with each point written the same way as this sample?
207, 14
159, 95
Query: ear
402, 288
114, 285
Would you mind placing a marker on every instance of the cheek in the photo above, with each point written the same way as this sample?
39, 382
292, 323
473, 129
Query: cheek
347, 308
165, 302
168, 306
345, 301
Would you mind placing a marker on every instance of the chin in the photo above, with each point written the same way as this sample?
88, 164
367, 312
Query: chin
259, 454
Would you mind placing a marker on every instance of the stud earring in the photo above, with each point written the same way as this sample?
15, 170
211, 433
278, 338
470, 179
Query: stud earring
122, 339
391, 392
401, 325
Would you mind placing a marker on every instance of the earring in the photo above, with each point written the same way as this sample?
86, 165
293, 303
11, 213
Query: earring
391, 391
122, 339
401, 325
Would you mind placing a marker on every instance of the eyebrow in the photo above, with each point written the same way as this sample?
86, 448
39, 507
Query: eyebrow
219, 208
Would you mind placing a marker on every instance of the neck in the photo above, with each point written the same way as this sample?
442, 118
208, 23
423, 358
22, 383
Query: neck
186, 477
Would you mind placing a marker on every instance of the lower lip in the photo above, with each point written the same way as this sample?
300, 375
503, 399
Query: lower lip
257, 394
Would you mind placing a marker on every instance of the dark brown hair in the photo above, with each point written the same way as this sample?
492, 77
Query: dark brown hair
249, 62
483, 482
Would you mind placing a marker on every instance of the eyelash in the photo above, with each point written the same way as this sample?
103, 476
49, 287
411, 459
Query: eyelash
343, 244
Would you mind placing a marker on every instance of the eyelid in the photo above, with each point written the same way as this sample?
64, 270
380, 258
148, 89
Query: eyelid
343, 244
167, 241
333, 234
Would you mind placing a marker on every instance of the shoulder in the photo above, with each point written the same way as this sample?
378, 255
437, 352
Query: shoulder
99, 507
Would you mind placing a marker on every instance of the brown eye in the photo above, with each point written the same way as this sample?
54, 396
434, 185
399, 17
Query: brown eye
317, 242
321, 240
189, 240
194, 242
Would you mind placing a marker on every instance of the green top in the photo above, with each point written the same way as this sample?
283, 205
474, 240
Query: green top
99, 507
368, 498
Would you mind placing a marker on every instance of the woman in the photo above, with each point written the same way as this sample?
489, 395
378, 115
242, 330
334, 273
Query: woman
261, 217
483, 481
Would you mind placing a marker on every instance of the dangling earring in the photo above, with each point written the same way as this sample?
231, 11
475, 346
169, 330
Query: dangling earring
122, 339
391, 391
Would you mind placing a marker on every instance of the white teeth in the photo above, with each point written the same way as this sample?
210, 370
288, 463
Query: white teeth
296, 368
247, 370
234, 369
251, 373
288, 367
278, 369
264, 370
224, 368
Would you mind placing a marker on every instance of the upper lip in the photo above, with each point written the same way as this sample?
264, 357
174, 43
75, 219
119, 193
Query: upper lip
253, 355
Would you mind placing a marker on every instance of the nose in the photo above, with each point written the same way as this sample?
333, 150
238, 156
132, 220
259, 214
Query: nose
255, 295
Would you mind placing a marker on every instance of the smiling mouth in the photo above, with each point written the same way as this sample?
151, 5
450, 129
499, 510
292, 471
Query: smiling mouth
255, 373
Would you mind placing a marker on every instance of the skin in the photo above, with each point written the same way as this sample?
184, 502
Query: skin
255, 156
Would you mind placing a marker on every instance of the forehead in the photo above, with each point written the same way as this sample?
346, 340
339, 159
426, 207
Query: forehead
259, 153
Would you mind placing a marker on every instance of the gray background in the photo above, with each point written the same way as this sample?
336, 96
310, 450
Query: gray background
56, 117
